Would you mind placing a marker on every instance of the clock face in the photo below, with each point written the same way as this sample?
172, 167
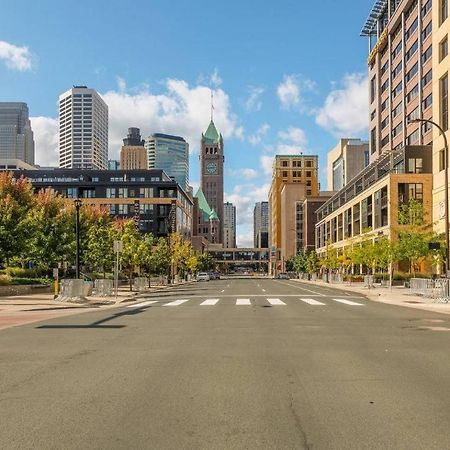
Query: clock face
211, 167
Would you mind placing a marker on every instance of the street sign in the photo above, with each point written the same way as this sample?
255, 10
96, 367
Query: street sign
118, 246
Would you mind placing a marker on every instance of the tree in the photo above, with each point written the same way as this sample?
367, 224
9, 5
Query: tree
16, 199
161, 257
312, 262
205, 262
300, 263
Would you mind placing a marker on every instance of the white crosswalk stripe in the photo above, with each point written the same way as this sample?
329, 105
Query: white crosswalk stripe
347, 302
176, 303
275, 301
140, 305
209, 302
243, 301
312, 302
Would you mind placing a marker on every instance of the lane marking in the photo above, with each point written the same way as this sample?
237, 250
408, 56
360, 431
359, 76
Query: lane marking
312, 302
304, 289
263, 290
139, 305
176, 303
209, 302
347, 302
223, 290
243, 301
275, 301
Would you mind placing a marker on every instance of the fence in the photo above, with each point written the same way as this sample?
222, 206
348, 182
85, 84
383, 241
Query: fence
438, 290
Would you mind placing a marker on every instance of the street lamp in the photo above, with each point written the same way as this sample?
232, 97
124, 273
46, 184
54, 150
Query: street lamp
77, 203
447, 239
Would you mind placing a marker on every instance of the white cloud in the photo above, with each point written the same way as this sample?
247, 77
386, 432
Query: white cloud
256, 138
181, 110
344, 112
289, 92
215, 78
294, 135
244, 198
17, 58
246, 173
46, 140
121, 84
253, 102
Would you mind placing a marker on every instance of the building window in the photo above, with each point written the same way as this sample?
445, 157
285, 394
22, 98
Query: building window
415, 165
285, 174
426, 31
411, 51
443, 11
372, 89
427, 102
398, 129
110, 192
385, 85
441, 160
427, 78
411, 72
444, 101
427, 54
397, 89
284, 163
412, 94
443, 48
397, 70
373, 140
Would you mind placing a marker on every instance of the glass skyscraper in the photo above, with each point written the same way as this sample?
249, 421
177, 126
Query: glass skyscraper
171, 154
16, 135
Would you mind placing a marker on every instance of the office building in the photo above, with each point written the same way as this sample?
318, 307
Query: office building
229, 225
113, 164
345, 161
16, 135
133, 155
171, 154
261, 225
155, 201
83, 129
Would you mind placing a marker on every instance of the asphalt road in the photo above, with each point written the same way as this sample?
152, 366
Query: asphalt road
261, 364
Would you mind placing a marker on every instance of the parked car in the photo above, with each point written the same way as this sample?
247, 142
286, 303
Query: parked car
214, 275
203, 276
282, 276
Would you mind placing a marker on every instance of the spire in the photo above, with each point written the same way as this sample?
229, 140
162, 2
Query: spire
211, 135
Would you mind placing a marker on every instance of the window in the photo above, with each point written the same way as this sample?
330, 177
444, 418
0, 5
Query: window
441, 160
384, 142
426, 31
383, 106
443, 11
308, 174
373, 140
412, 94
412, 139
397, 89
414, 114
415, 165
397, 50
443, 85
372, 89
426, 8
123, 192
427, 54
284, 164
397, 70
296, 163
411, 29
427, 102
398, 129
110, 192
309, 163
443, 48
397, 110
411, 72
427, 78
385, 123
383, 70
284, 174
385, 85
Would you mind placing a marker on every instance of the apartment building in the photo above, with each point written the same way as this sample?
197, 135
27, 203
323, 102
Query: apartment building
83, 129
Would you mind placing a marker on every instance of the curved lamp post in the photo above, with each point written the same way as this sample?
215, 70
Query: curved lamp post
442, 132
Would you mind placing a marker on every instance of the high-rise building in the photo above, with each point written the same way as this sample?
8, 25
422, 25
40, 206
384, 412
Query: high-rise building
113, 164
171, 154
229, 225
16, 135
345, 161
211, 176
83, 129
400, 73
261, 225
133, 154
300, 171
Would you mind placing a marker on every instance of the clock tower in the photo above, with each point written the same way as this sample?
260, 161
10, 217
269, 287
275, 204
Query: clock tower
211, 178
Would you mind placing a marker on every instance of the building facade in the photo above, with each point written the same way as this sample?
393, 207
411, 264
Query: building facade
133, 154
229, 225
345, 161
155, 201
170, 153
211, 176
16, 135
83, 129
261, 225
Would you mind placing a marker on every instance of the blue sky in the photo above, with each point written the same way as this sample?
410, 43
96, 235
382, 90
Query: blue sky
288, 76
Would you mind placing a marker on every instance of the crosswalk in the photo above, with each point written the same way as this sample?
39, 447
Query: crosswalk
240, 301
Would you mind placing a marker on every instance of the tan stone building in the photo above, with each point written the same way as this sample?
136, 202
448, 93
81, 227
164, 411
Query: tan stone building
133, 154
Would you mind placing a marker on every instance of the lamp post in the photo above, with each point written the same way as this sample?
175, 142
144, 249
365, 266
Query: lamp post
77, 203
447, 239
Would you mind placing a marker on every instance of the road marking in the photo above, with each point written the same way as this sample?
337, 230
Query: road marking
312, 302
275, 301
263, 290
301, 287
139, 305
347, 302
209, 302
243, 301
223, 290
176, 303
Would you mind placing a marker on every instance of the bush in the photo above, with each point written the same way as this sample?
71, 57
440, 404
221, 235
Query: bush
5, 280
402, 276
19, 272
24, 281
355, 278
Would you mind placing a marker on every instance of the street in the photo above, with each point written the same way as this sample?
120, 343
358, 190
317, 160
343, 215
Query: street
230, 364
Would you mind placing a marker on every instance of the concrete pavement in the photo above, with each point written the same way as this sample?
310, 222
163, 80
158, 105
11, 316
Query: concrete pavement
318, 369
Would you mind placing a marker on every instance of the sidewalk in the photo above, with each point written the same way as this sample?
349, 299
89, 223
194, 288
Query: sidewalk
23, 309
397, 295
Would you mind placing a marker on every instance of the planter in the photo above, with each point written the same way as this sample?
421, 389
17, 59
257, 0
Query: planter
24, 289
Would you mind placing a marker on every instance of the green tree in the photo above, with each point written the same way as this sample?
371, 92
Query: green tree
300, 263
16, 199
161, 257
312, 262
205, 262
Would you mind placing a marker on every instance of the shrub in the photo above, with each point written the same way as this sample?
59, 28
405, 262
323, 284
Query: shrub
19, 272
5, 280
23, 281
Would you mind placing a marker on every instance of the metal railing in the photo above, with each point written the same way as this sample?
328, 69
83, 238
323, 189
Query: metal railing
438, 289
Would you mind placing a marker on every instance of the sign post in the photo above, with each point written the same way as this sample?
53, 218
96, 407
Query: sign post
55, 283
118, 248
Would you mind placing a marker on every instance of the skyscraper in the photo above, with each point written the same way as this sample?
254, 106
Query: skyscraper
133, 154
83, 129
229, 225
261, 225
16, 135
211, 173
171, 154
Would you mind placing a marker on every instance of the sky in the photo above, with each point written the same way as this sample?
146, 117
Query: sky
288, 76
